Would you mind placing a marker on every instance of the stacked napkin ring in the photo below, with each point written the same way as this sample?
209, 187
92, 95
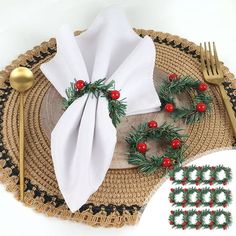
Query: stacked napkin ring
201, 219
200, 199
200, 175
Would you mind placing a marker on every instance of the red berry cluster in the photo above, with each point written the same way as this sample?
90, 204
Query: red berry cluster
200, 107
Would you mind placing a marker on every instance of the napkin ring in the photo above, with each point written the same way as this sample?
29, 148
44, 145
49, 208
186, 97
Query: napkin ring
116, 107
176, 85
138, 148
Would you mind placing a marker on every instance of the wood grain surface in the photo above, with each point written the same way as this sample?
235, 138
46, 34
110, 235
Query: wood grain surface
51, 111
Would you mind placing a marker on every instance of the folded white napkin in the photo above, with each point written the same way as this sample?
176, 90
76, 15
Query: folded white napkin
84, 139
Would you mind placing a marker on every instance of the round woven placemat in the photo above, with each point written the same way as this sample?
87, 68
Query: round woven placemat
124, 193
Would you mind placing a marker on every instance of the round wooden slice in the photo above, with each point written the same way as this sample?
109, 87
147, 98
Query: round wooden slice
51, 111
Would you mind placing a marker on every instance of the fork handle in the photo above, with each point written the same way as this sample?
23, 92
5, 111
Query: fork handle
229, 108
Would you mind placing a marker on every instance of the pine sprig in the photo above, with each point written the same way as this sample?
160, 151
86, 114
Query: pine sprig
165, 132
201, 198
200, 176
168, 91
194, 219
117, 108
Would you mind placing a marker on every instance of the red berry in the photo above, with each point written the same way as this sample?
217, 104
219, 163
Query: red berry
166, 162
152, 124
79, 84
202, 87
169, 107
172, 76
175, 143
114, 95
201, 107
141, 147
172, 190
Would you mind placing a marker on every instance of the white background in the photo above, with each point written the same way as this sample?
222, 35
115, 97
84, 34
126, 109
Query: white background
26, 23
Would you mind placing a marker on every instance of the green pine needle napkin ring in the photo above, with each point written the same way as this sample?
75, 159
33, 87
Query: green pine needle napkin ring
116, 106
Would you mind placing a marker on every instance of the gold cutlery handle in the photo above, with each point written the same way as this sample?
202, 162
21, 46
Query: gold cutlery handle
21, 147
21, 79
229, 108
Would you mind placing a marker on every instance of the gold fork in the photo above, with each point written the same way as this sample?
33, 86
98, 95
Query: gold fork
213, 74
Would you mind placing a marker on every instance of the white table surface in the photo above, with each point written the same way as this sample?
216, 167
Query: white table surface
26, 23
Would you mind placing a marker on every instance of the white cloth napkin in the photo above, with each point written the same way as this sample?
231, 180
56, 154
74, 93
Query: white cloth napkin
84, 139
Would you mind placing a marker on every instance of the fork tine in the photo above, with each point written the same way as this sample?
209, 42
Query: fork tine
216, 58
207, 60
202, 57
203, 64
212, 63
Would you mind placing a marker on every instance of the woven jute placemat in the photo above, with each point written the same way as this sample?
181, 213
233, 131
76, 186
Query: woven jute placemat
124, 193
